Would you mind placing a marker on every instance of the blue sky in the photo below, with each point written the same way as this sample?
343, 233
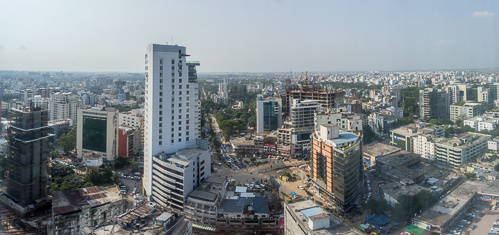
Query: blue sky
251, 36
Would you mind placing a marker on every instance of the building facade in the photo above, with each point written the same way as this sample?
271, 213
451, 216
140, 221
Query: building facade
465, 111
433, 103
170, 105
97, 132
63, 106
463, 149
268, 114
337, 169
27, 155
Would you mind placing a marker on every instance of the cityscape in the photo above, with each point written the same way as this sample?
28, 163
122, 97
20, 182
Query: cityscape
179, 138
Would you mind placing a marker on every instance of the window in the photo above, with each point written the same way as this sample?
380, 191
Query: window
160, 118
161, 74
173, 67
160, 142
187, 122
179, 105
173, 99
173, 61
173, 80
187, 110
173, 123
160, 130
160, 137
160, 112
180, 80
187, 139
179, 116
160, 106
187, 116
179, 134
161, 87
180, 74
160, 67
173, 129
187, 97
173, 105
160, 99
180, 111
180, 99
161, 61
173, 135
179, 128
180, 122
187, 104
179, 86
187, 127
147, 67
187, 92
160, 80
187, 133
173, 111
172, 141
180, 93
173, 74
173, 87
173, 117
161, 125
187, 86
179, 140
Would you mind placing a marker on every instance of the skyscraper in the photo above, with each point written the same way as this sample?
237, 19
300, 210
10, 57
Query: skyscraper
27, 154
171, 124
433, 103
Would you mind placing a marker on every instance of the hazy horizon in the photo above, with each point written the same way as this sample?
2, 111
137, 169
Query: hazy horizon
252, 37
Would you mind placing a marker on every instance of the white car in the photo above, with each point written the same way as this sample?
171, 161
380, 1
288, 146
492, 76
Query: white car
279, 171
301, 187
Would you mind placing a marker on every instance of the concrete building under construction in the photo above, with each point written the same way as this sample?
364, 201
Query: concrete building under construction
306, 91
27, 155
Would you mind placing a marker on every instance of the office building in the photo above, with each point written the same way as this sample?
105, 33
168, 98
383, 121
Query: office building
433, 103
494, 90
63, 106
337, 169
294, 138
173, 166
403, 137
465, 111
97, 132
483, 95
27, 155
268, 114
454, 152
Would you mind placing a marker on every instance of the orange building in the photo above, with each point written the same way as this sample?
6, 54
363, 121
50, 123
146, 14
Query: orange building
337, 171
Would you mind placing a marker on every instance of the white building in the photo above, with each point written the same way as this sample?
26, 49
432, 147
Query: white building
487, 121
171, 124
483, 94
467, 110
63, 106
97, 132
133, 119
424, 145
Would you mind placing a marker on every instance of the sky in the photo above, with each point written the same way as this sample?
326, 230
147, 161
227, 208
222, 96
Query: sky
251, 36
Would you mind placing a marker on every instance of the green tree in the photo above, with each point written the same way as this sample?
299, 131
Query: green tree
54, 155
425, 199
470, 176
121, 162
60, 171
433, 121
369, 135
285, 173
68, 141
496, 167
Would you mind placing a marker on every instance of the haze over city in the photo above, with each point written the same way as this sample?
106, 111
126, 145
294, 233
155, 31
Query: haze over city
251, 36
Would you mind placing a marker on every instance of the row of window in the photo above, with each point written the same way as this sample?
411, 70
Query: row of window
173, 141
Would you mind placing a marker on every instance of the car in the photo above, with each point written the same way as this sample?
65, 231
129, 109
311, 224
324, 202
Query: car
301, 187
296, 196
279, 171
368, 181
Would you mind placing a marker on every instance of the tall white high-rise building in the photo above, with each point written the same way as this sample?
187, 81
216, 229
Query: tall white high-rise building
171, 124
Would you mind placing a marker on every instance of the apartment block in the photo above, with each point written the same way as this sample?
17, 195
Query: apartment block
433, 103
64, 106
465, 111
454, 152
487, 121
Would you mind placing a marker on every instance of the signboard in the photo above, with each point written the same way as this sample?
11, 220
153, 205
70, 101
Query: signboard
281, 223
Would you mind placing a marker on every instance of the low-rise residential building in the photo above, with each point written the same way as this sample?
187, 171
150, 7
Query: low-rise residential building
488, 121
424, 145
454, 152
201, 206
402, 137
85, 207
307, 218
465, 111
493, 144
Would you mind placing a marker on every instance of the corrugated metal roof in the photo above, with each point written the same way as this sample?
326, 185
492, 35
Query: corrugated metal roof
311, 212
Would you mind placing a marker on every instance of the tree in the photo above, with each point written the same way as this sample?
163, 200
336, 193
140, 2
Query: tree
285, 173
68, 141
496, 167
378, 205
60, 171
252, 159
470, 176
369, 135
54, 155
425, 199
121, 162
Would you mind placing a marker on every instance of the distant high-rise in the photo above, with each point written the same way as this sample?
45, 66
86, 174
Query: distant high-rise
27, 155
63, 106
494, 91
268, 114
171, 124
434, 103
306, 91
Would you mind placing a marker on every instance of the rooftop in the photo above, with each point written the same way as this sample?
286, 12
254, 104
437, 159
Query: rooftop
464, 140
69, 201
395, 189
209, 189
242, 141
345, 137
401, 158
260, 205
380, 149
